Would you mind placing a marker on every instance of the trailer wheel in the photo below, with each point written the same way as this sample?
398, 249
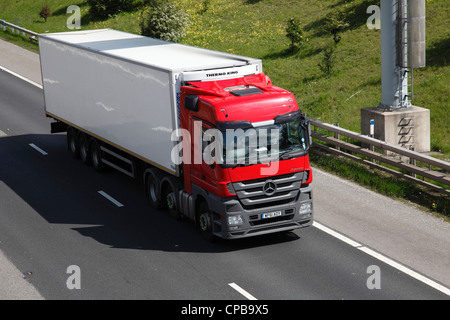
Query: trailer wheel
83, 147
205, 222
96, 156
72, 142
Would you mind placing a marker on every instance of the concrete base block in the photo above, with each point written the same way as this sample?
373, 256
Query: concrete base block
406, 127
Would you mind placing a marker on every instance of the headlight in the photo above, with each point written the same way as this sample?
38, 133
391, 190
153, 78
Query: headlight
305, 208
234, 220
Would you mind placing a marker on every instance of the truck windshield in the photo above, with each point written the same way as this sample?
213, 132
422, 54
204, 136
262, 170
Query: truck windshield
265, 144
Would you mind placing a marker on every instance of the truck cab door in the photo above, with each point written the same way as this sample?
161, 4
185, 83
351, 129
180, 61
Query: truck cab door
203, 170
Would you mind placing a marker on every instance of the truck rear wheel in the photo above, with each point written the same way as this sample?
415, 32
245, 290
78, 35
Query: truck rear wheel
171, 202
72, 142
153, 191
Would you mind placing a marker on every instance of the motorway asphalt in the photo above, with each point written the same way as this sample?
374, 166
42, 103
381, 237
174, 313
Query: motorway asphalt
53, 217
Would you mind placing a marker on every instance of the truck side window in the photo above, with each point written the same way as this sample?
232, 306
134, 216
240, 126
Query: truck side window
212, 145
208, 145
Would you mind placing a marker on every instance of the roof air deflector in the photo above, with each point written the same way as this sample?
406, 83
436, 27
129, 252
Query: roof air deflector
244, 91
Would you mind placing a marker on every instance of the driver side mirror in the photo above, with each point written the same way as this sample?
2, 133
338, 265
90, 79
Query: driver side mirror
191, 102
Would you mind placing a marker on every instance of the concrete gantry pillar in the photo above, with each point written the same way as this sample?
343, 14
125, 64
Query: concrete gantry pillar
397, 121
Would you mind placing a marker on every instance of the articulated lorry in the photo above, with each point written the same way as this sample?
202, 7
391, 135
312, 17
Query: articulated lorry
207, 133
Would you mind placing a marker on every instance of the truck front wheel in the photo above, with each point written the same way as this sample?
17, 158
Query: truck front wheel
205, 222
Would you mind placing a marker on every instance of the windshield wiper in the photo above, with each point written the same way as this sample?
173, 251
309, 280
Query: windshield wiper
291, 152
286, 156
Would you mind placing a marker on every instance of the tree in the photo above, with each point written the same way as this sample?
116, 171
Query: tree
328, 60
45, 12
334, 24
295, 33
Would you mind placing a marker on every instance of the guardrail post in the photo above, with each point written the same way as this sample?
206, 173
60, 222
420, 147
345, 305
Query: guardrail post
336, 136
413, 162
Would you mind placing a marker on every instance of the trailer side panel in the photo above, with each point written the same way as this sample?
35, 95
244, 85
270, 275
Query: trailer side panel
126, 104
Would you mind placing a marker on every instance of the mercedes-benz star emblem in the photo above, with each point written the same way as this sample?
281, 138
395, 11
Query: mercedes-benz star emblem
269, 188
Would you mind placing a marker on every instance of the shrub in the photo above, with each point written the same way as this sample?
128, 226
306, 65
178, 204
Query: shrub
45, 12
163, 20
295, 33
205, 6
104, 8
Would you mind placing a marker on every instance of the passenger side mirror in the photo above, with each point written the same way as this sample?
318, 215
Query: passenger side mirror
309, 132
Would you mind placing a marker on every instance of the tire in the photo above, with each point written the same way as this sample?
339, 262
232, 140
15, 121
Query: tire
171, 202
72, 142
205, 222
83, 147
153, 191
96, 156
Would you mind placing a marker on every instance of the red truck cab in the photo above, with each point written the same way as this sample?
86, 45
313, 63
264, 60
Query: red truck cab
248, 172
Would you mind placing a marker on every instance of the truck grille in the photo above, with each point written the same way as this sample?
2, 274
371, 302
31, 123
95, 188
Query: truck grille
260, 193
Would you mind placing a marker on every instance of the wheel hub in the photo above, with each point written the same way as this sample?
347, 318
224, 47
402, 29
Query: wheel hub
204, 222
170, 201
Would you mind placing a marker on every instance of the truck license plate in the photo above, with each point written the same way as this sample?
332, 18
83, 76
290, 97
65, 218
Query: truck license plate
271, 215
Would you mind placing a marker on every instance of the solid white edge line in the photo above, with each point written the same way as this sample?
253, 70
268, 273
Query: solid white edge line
21, 77
35, 147
242, 291
107, 196
336, 234
384, 259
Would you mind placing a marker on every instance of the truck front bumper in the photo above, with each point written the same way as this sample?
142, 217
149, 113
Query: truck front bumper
232, 221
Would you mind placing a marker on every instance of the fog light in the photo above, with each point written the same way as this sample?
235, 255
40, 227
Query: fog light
305, 208
234, 220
